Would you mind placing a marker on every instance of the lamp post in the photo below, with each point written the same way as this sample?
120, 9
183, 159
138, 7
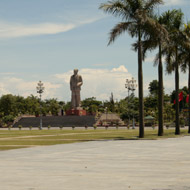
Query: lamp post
40, 89
106, 110
131, 86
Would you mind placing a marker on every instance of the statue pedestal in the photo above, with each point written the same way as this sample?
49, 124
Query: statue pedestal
78, 112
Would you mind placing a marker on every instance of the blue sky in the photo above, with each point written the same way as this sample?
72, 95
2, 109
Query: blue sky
46, 39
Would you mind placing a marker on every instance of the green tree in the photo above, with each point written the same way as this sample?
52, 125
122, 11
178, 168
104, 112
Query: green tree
91, 104
185, 57
33, 105
151, 102
136, 15
158, 38
128, 110
67, 106
176, 37
52, 106
169, 112
8, 105
21, 105
153, 88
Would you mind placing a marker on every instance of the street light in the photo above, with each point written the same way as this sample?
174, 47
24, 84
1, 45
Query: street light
40, 89
131, 86
106, 110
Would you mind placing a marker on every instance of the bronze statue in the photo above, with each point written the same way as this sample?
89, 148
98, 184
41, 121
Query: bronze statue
75, 86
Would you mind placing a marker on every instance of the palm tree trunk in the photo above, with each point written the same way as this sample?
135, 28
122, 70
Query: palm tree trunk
160, 96
140, 83
189, 94
177, 128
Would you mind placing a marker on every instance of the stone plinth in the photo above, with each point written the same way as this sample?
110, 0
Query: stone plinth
76, 112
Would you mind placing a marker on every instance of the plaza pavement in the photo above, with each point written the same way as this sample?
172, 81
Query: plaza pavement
102, 165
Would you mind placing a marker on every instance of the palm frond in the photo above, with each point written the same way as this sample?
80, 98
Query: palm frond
152, 3
170, 62
148, 45
156, 60
187, 28
184, 52
184, 66
117, 30
116, 8
135, 46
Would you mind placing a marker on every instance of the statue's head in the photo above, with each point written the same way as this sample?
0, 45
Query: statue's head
76, 71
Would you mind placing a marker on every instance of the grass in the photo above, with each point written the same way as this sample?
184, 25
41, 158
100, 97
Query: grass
14, 139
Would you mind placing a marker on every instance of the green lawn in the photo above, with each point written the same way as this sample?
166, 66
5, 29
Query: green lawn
14, 139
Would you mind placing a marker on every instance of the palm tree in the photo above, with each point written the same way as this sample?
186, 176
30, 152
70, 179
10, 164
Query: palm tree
176, 36
185, 57
136, 16
157, 38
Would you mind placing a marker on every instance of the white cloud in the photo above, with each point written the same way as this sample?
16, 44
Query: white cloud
18, 86
96, 82
174, 2
8, 74
13, 30
121, 69
149, 60
100, 82
152, 60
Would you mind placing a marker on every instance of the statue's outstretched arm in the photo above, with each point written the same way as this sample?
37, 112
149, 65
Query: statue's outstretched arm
80, 82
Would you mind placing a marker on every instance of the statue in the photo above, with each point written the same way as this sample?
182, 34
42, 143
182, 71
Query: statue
75, 86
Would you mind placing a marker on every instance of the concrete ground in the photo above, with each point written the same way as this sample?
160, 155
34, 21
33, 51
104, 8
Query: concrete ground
102, 165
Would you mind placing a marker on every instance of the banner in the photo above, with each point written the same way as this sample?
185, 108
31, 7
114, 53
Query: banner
187, 99
180, 97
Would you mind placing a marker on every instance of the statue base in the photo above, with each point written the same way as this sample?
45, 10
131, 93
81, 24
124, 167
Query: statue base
79, 112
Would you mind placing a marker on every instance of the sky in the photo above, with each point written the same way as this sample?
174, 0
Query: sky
46, 39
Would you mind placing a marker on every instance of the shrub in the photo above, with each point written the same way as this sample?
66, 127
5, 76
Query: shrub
182, 122
8, 118
61, 127
10, 126
30, 127
20, 127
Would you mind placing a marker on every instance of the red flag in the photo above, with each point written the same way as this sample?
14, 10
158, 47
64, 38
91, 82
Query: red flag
180, 97
187, 98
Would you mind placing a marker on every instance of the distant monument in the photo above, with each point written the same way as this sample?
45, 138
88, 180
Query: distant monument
75, 86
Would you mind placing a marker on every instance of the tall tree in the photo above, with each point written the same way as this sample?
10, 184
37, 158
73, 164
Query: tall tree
136, 15
185, 57
161, 40
176, 36
153, 88
157, 38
